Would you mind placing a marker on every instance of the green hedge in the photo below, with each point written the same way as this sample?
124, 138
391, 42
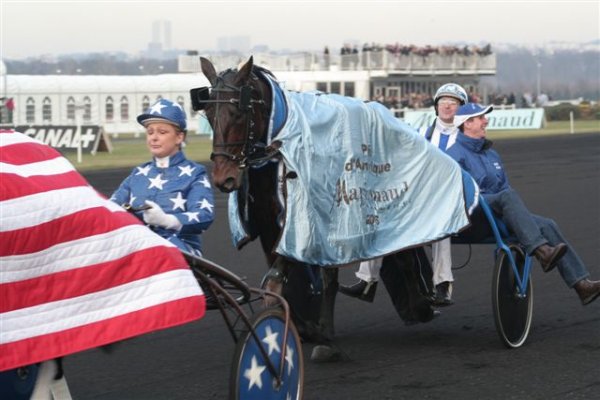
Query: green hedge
562, 111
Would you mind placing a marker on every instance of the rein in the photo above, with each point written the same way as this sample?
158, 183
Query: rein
254, 152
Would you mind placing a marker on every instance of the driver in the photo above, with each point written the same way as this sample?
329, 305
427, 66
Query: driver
174, 192
539, 235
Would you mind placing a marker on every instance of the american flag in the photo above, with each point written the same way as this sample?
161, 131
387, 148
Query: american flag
76, 270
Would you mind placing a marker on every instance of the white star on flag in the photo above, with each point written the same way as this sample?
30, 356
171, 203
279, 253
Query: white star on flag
289, 357
132, 198
204, 204
178, 202
192, 216
157, 182
187, 170
143, 170
205, 182
253, 374
271, 340
156, 108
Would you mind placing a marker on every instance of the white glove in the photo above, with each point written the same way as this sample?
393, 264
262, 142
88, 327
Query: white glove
157, 217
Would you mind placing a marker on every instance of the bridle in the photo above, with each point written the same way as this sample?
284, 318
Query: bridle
254, 151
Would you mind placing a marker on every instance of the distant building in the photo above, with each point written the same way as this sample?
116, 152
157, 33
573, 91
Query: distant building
161, 40
233, 44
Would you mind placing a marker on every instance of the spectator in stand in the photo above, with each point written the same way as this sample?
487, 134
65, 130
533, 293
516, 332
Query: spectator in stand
511, 99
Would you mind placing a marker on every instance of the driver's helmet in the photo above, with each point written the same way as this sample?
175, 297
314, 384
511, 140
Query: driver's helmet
164, 111
451, 90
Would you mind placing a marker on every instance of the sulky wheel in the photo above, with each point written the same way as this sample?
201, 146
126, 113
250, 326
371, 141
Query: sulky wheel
512, 310
250, 376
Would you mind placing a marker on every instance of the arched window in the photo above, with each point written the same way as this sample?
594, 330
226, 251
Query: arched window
30, 110
47, 110
87, 109
109, 109
145, 103
71, 108
124, 109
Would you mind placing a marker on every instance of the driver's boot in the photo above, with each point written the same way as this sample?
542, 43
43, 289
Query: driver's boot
548, 255
587, 290
361, 290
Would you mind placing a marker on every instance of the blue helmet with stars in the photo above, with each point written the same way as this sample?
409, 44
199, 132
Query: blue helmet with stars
164, 111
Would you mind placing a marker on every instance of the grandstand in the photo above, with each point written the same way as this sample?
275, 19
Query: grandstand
398, 79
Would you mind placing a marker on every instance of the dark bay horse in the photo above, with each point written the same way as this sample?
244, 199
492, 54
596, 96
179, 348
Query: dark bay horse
238, 106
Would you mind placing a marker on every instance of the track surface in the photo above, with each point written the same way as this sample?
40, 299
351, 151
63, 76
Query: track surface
457, 356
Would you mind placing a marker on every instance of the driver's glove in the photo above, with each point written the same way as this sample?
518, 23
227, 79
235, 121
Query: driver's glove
157, 217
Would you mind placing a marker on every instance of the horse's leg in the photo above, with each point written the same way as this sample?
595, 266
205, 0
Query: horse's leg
274, 280
326, 350
330, 289
404, 276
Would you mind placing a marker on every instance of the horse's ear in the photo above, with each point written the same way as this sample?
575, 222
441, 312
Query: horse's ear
244, 73
209, 70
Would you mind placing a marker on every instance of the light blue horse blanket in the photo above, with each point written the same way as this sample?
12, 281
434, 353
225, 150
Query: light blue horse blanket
367, 184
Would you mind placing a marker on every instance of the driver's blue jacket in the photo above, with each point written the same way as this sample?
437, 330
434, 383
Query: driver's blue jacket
181, 188
483, 163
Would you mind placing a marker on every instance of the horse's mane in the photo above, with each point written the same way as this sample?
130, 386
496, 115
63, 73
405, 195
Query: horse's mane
263, 71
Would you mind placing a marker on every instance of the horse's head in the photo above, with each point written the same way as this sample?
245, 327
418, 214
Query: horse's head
237, 106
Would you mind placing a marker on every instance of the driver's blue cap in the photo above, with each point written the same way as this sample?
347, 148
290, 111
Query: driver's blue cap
164, 111
470, 110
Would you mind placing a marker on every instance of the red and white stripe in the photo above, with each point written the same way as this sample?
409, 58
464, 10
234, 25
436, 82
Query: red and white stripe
76, 270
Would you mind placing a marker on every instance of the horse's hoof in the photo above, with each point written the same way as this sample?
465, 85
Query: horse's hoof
323, 353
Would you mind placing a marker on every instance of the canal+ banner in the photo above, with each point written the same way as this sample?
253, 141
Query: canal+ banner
66, 138
520, 118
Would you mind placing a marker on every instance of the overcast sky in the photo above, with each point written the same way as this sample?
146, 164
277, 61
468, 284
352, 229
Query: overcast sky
32, 28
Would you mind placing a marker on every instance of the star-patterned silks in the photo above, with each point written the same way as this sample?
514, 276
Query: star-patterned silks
205, 205
143, 170
178, 202
176, 188
205, 182
192, 216
157, 182
187, 170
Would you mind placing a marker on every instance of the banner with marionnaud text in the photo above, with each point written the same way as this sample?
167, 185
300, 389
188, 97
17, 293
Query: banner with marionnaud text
520, 118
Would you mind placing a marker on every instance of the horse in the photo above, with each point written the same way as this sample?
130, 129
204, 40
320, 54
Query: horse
239, 107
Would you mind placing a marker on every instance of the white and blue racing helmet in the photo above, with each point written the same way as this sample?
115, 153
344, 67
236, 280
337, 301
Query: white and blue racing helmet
451, 90
164, 111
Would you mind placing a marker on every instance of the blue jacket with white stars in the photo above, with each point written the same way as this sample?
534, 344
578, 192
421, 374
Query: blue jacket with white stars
181, 189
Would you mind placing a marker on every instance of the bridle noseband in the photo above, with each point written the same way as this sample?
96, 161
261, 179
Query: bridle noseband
253, 150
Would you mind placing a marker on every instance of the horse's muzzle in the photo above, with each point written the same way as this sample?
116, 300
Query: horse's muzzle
228, 186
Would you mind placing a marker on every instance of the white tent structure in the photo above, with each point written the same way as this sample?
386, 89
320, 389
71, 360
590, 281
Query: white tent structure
109, 101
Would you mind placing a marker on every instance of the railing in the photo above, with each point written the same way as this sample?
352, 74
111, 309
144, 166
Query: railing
370, 60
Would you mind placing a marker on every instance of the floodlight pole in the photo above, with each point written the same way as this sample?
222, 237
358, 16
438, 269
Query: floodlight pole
539, 74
